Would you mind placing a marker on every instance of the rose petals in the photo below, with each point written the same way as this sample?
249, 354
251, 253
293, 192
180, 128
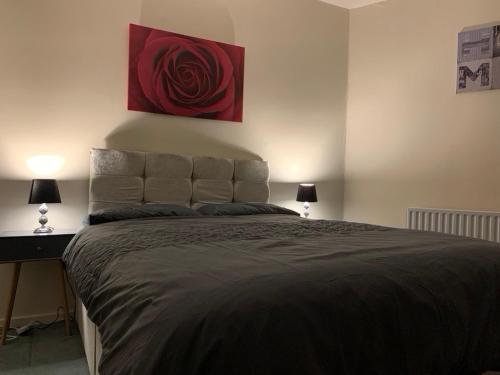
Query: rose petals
184, 76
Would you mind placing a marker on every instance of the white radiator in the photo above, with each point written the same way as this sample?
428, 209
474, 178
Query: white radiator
483, 225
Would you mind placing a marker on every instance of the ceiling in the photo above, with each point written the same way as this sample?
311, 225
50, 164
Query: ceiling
351, 4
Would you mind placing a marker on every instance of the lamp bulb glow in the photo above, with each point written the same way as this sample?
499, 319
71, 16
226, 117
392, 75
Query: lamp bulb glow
45, 165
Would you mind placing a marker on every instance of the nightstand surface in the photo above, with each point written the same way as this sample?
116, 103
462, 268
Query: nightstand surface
30, 233
23, 246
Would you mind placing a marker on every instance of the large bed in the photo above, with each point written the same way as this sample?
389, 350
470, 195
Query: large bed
251, 288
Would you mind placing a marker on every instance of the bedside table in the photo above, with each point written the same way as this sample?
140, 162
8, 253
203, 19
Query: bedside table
26, 246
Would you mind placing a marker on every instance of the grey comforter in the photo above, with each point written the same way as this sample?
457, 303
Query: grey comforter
276, 294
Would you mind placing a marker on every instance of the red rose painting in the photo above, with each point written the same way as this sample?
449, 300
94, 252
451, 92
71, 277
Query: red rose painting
184, 76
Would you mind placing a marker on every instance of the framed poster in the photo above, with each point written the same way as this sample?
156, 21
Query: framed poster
478, 59
181, 75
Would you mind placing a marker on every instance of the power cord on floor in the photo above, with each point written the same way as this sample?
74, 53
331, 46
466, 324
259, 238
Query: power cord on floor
25, 330
10, 337
42, 325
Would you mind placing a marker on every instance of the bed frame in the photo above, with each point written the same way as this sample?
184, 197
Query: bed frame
90, 337
122, 178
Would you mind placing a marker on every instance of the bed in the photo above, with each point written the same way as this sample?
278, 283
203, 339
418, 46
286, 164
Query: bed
252, 288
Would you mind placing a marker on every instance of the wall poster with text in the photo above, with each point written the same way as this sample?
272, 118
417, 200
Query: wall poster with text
478, 59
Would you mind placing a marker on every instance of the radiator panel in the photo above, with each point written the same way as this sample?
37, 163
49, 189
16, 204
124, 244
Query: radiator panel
476, 224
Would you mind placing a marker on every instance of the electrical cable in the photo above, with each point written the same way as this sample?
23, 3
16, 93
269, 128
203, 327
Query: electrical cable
74, 297
41, 325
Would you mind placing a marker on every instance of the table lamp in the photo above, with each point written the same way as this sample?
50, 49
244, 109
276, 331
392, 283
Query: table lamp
306, 194
44, 191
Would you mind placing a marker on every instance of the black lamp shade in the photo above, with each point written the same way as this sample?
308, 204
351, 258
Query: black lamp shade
307, 193
44, 191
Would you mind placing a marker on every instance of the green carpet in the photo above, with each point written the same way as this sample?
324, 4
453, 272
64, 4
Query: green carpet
46, 352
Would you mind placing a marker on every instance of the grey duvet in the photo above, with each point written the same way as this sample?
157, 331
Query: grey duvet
276, 294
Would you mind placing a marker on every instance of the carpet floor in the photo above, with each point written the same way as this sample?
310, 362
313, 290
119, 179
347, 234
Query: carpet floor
46, 352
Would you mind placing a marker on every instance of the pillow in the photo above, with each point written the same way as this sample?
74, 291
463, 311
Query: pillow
139, 212
236, 209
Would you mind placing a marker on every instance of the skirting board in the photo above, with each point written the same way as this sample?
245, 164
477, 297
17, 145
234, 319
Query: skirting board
22, 320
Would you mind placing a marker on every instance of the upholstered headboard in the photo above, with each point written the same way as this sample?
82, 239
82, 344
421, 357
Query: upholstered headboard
119, 178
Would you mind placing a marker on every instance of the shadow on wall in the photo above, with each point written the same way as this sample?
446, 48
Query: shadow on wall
153, 133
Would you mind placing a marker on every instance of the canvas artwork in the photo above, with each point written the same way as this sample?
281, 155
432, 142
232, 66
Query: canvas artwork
180, 75
479, 59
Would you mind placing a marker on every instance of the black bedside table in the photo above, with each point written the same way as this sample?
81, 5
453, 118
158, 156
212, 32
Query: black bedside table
20, 247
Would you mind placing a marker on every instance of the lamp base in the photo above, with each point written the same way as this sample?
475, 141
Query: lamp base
306, 210
43, 220
43, 230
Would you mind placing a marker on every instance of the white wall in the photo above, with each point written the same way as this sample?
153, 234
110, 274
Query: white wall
63, 74
411, 141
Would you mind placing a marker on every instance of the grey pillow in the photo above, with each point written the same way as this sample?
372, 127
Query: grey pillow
139, 212
237, 209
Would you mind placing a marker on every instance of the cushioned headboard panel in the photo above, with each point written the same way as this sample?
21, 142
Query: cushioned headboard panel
168, 179
212, 180
120, 178
251, 181
117, 178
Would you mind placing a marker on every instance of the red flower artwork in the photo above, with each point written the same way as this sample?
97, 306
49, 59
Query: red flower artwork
184, 76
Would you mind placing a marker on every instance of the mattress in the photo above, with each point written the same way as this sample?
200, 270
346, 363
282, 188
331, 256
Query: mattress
277, 294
